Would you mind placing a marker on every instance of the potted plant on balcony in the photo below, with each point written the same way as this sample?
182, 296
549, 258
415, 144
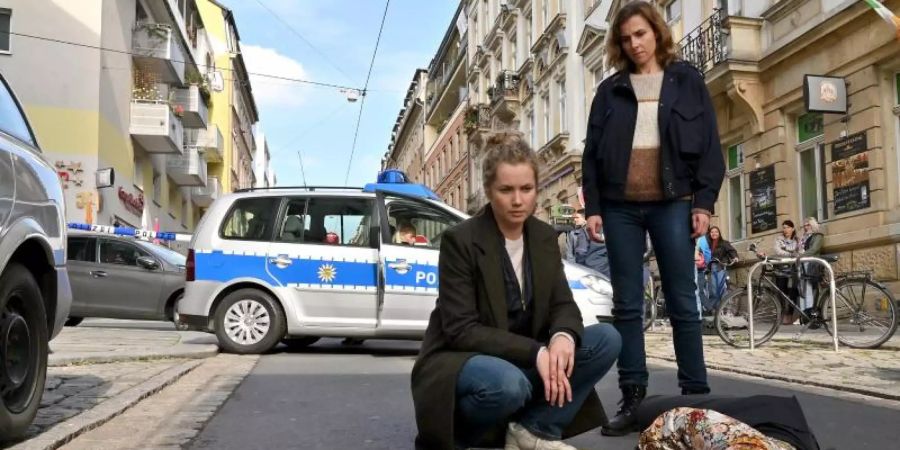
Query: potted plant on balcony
193, 78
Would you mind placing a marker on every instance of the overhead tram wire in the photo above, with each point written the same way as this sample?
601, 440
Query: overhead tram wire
362, 102
124, 52
305, 41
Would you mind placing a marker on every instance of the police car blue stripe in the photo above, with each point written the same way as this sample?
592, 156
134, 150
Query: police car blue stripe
217, 266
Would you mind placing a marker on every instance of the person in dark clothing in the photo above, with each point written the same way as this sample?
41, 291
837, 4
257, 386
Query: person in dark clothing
810, 245
652, 163
725, 254
581, 249
506, 350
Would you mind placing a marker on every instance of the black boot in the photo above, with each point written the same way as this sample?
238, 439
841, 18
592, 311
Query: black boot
625, 421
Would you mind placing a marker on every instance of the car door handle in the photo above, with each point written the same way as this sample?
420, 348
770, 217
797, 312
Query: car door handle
400, 266
281, 261
99, 274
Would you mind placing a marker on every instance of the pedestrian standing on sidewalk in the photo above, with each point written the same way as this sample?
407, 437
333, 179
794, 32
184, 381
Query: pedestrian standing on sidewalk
722, 253
505, 353
652, 163
811, 245
787, 245
581, 249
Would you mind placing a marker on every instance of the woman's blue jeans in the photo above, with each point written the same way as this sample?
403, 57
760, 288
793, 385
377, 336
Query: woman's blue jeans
491, 390
669, 226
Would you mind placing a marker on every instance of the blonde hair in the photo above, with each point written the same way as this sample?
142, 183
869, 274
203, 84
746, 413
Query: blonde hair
813, 224
666, 53
506, 147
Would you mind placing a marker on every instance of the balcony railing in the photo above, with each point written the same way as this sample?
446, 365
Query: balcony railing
195, 112
188, 169
156, 48
156, 128
705, 46
506, 86
210, 139
204, 195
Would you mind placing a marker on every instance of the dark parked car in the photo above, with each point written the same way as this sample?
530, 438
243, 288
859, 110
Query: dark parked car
34, 285
123, 278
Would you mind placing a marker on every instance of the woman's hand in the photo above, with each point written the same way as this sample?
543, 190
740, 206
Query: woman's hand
593, 226
556, 386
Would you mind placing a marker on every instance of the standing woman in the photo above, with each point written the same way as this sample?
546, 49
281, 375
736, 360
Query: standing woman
505, 354
652, 163
724, 253
787, 245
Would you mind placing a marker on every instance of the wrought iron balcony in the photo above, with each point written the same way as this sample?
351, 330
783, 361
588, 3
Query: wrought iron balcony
705, 46
505, 87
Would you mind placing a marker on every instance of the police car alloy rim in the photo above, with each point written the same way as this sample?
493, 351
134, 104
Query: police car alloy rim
247, 322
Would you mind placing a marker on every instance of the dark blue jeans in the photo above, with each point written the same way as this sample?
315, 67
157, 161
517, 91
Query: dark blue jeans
669, 226
491, 390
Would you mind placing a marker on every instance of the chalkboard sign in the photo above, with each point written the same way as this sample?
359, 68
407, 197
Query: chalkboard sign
850, 172
763, 216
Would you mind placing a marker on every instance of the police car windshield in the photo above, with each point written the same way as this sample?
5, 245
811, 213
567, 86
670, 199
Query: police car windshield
170, 256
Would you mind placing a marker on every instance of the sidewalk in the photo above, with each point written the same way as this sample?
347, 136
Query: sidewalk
103, 367
104, 341
810, 360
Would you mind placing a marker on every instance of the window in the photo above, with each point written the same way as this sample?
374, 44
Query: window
5, 24
545, 103
736, 198
120, 253
811, 155
529, 38
513, 61
295, 222
673, 10
545, 12
82, 249
561, 88
12, 121
532, 129
339, 221
138, 176
157, 186
250, 219
412, 223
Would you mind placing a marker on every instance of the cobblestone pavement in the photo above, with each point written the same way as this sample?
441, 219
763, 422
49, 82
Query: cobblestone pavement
809, 361
72, 390
171, 418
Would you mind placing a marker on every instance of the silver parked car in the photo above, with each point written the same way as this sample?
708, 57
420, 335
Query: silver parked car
34, 286
123, 278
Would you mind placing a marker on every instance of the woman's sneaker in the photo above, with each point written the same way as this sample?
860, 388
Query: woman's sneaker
518, 438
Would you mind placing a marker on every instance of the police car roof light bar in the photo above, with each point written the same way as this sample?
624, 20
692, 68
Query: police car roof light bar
133, 232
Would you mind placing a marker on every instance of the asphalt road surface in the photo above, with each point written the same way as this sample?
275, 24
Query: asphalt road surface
333, 396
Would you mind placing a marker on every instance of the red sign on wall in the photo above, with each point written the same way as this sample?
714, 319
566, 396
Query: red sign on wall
135, 203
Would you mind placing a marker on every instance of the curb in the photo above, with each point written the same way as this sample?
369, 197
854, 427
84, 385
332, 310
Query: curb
206, 351
779, 377
62, 433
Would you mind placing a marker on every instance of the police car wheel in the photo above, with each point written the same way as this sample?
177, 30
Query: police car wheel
249, 321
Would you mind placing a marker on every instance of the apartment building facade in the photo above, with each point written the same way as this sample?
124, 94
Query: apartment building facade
407, 146
121, 86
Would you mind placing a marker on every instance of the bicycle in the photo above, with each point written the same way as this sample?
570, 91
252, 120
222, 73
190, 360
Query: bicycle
867, 313
654, 302
721, 287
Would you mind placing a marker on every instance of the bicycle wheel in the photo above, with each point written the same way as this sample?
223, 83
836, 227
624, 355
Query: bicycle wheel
649, 313
866, 313
733, 318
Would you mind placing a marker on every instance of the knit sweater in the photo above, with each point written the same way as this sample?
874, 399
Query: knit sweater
644, 183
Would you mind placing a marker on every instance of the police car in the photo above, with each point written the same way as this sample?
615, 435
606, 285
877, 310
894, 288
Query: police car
297, 264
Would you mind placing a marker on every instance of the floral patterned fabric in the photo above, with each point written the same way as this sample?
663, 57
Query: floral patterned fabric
690, 429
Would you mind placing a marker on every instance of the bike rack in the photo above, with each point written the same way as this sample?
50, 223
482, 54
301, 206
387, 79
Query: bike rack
792, 261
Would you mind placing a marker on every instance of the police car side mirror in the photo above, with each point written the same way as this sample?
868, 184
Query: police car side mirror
147, 263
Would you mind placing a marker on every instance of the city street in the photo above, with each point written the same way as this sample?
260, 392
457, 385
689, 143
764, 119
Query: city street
333, 396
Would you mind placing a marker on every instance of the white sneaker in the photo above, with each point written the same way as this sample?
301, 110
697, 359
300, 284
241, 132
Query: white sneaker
518, 438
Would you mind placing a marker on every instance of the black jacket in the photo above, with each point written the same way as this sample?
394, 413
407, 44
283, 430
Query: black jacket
691, 158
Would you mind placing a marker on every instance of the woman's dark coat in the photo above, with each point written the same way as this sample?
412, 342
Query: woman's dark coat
691, 161
471, 318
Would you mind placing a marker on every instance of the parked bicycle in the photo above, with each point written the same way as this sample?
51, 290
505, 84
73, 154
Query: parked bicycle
717, 284
866, 311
